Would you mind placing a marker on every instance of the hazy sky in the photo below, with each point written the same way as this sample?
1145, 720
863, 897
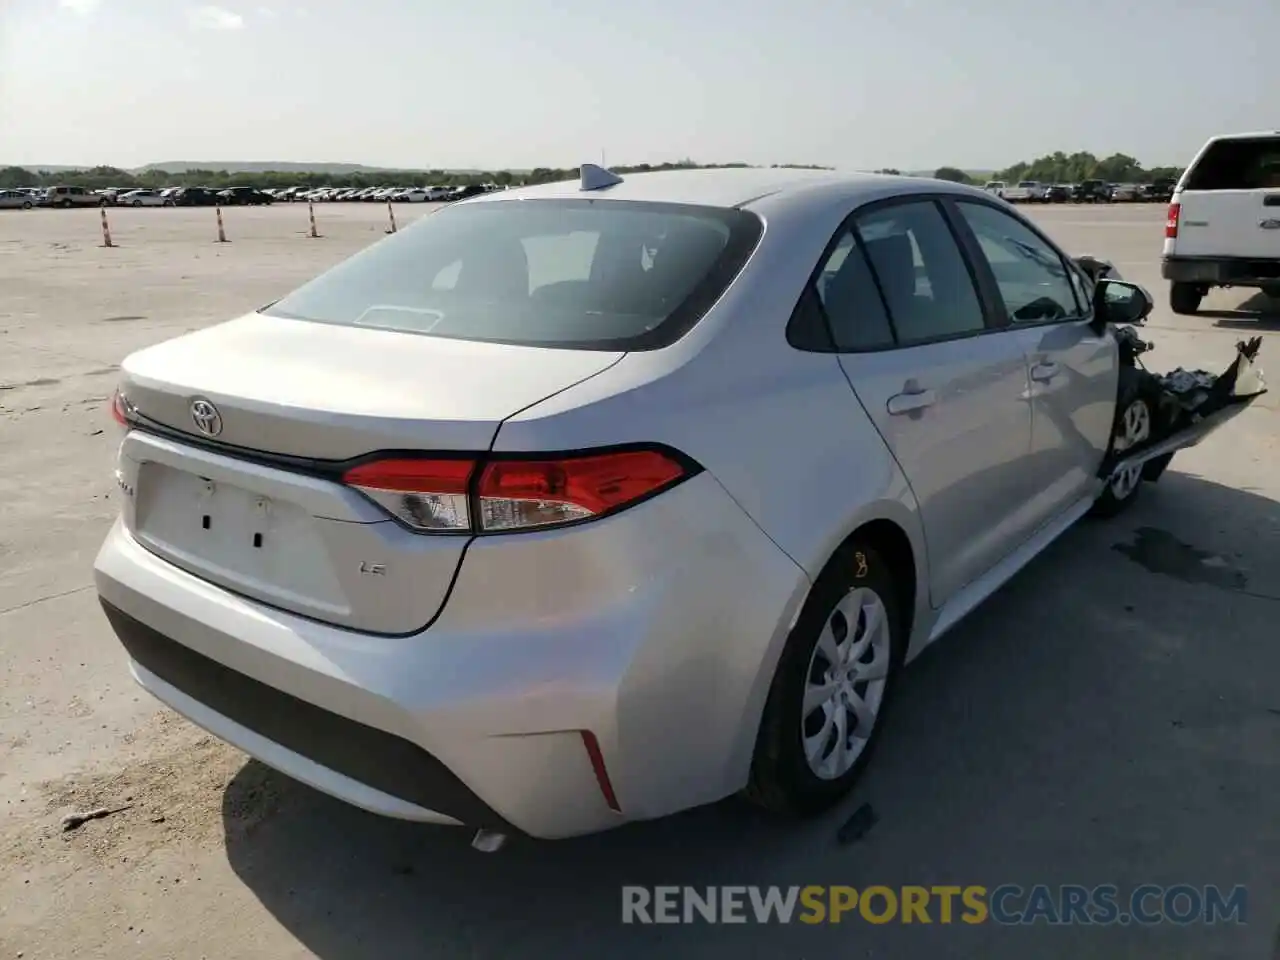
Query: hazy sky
514, 83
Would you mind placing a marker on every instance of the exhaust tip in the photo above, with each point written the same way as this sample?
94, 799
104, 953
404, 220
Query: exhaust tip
488, 841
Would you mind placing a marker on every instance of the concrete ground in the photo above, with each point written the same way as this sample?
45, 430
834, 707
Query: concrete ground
1111, 716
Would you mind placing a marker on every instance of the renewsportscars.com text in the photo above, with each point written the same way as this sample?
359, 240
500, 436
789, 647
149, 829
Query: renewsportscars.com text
1009, 904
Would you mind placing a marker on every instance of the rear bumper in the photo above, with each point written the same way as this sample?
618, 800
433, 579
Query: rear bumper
1222, 271
655, 630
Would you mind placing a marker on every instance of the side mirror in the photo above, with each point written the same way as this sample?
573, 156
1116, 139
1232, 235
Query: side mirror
1120, 302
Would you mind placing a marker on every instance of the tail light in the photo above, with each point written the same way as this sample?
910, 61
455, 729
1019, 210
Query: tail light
1171, 221
503, 494
119, 409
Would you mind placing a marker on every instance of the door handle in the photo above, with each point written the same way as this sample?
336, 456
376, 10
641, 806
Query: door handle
1044, 372
911, 399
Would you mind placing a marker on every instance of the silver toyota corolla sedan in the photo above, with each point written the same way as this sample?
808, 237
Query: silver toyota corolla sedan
595, 501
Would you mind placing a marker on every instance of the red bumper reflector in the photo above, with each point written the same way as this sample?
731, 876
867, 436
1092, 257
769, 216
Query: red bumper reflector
602, 774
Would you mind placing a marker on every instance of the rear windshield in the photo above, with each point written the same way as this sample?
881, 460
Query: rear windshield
584, 274
1238, 165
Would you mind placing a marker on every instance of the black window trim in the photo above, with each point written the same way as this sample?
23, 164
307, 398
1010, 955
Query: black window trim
994, 316
992, 287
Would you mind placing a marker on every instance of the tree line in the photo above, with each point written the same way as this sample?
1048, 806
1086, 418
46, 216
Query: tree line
1053, 168
97, 178
1062, 167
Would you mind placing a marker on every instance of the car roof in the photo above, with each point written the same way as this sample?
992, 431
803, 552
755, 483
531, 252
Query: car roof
728, 186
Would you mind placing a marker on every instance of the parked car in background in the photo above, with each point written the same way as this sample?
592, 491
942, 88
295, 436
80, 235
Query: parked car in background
1126, 193
995, 187
462, 193
1159, 191
1057, 193
143, 198
15, 200
437, 193
195, 197
243, 197
1026, 191
70, 197
1092, 191
1223, 227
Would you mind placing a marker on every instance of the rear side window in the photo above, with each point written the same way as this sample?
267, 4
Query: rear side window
1238, 165
849, 297
583, 274
921, 273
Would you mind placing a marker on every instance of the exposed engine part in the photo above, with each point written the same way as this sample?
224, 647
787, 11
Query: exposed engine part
1131, 345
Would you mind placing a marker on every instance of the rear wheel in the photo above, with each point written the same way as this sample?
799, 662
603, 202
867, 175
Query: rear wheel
65, 204
1184, 298
831, 687
26, 204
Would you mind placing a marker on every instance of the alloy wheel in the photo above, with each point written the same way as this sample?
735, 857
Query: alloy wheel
1136, 429
845, 683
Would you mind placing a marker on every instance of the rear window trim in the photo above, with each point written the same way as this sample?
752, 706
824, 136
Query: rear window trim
745, 231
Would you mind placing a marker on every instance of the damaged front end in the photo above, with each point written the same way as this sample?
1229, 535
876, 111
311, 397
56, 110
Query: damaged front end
1185, 407
1159, 414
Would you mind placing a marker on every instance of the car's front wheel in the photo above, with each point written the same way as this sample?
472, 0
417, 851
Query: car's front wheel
832, 685
1133, 426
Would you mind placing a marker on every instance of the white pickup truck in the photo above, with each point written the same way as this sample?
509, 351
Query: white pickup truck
1223, 228
1027, 191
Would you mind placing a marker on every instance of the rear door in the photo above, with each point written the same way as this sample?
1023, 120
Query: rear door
1073, 369
944, 388
1229, 201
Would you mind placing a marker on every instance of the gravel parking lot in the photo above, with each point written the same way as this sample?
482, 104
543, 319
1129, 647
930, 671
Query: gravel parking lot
1111, 716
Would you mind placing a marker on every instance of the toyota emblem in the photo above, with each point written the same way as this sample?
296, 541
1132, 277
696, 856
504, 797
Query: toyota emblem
206, 417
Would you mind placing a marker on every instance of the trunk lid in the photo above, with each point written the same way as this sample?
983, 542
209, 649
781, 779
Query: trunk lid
333, 392
285, 531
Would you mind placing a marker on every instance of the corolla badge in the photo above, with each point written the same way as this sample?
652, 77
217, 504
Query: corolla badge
206, 417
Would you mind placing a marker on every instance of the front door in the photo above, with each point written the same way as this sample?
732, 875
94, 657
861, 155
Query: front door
946, 391
1073, 368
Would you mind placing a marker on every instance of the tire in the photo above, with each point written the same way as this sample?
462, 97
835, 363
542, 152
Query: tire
65, 204
137, 203
857, 581
1137, 406
1184, 298
26, 204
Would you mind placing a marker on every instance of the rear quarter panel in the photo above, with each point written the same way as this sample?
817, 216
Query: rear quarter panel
780, 429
